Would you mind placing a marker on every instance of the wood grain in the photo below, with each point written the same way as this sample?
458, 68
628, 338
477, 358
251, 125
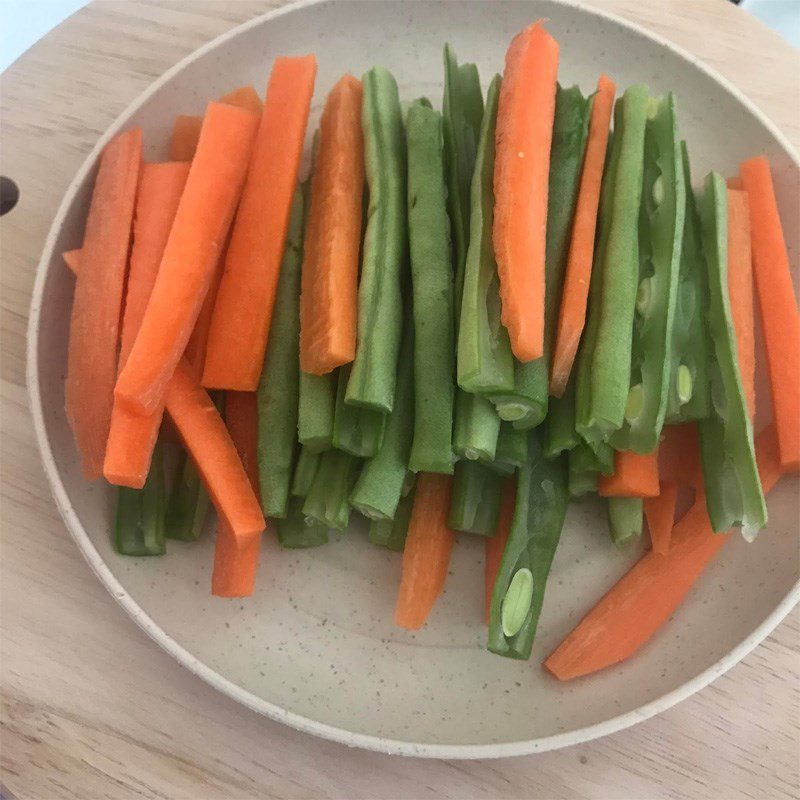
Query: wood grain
91, 708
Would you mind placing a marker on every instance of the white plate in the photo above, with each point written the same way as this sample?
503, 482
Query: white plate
315, 646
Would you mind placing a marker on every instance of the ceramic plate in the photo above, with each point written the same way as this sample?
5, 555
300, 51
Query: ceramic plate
315, 646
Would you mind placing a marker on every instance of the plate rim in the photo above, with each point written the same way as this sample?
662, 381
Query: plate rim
211, 676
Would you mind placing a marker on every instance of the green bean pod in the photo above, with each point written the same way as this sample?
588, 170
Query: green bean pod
392, 533
278, 387
188, 503
139, 528
475, 499
304, 471
432, 283
316, 405
356, 430
327, 500
296, 531
625, 517
734, 495
512, 450
475, 428
559, 432
539, 512
380, 300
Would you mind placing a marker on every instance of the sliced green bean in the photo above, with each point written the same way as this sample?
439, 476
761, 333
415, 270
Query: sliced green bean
512, 450
475, 499
356, 430
278, 387
139, 525
327, 500
304, 472
476, 427
733, 488
583, 470
625, 515
391, 533
559, 433
380, 301
317, 402
188, 503
296, 531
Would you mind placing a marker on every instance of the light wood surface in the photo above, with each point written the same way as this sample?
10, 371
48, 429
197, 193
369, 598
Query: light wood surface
92, 708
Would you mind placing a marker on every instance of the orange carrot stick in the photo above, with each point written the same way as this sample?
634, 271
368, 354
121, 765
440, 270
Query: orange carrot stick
648, 594
97, 303
243, 311
185, 135
234, 567
132, 436
740, 290
634, 476
679, 455
72, 258
495, 547
245, 97
735, 182
207, 439
197, 236
426, 557
523, 135
660, 514
779, 318
572, 316
329, 295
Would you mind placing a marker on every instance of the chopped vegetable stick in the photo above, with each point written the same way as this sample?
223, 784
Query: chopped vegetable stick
735, 182
779, 318
679, 455
207, 439
132, 436
198, 233
740, 289
625, 519
648, 594
572, 316
426, 556
97, 304
185, 135
197, 345
523, 134
72, 258
329, 296
660, 514
634, 475
243, 311
235, 567
245, 97
496, 545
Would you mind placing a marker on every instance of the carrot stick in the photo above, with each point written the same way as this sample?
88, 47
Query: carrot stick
679, 455
740, 290
329, 294
660, 514
95, 321
735, 182
572, 316
426, 557
496, 545
185, 135
234, 567
648, 594
207, 439
132, 436
72, 258
779, 318
198, 233
523, 135
243, 311
244, 97
634, 476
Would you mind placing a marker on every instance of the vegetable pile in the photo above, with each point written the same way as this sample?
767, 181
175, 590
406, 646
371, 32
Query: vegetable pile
459, 322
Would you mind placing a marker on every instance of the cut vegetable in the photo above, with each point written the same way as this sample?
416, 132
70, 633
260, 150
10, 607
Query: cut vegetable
197, 234
72, 258
97, 304
634, 475
188, 503
244, 97
524, 131
139, 523
315, 412
327, 500
779, 317
660, 514
496, 545
242, 315
559, 433
679, 455
329, 298
648, 594
624, 518
304, 472
356, 429
475, 428
475, 501
572, 314
295, 531
426, 556
185, 135
392, 533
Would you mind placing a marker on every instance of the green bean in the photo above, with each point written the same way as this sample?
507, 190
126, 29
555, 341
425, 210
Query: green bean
391, 533
139, 524
690, 344
559, 433
296, 531
583, 470
380, 301
661, 235
432, 283
304, 471
356, 430
475, 499
278, 388
188, 503
512, 450
317, 401
380, 485
476, 427
624, 518
541, 505
733, 488
606, 394
327, 500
